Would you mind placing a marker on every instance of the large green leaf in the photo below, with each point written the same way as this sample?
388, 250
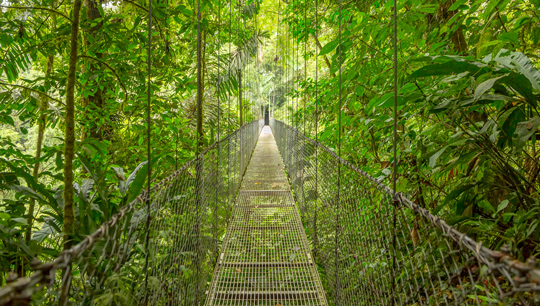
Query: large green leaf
451, 65
519, 62
329, 47
135, 182
524, 131
454, 194
485, 86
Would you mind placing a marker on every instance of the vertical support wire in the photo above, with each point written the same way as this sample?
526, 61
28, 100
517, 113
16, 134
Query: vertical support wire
148, 153
296, 85
394, 174
199, 163
336, 253
229, 208
305, 64
276, 63
315, 238
218, 159
287, 44
304, 203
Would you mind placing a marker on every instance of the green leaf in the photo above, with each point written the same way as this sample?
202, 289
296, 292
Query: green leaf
453, 65
8, 178
520, 84
329, 47
86, 188
389, 101
26, 191
136, 184
524, 131
454, 194
434, 157
457, 4
428, 8
485, 86
87, 165
490, 7
511, 37
44, 232
184, 10
20, 220
519, 62
502, 205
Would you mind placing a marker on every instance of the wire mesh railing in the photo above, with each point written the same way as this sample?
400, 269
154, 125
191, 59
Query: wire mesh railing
349, 218
189, 211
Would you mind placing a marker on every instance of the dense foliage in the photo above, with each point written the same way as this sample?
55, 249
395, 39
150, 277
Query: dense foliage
469, 88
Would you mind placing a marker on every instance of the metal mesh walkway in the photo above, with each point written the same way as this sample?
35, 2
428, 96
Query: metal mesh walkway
265, 259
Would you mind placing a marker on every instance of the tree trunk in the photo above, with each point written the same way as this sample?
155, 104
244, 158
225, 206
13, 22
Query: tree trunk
70, 129
43, 106
457, 38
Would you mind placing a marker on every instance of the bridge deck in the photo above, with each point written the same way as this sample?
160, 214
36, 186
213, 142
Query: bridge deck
265, 258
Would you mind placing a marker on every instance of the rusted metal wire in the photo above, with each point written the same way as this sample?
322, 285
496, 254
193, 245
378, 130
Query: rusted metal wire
107, 267
435, 263
266, 258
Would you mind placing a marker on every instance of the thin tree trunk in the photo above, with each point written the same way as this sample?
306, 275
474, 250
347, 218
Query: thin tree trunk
43, 106
70, 129
457, 37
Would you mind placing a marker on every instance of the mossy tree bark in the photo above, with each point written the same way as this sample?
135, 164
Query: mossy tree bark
69, 217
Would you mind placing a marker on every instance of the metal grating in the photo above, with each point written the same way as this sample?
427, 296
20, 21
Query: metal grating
266, 258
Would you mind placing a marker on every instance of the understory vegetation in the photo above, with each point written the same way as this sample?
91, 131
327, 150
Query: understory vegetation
468, 104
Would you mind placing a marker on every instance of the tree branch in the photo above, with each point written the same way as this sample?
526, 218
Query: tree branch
112, 70
32, 90
37, 8
324, 56
158, 22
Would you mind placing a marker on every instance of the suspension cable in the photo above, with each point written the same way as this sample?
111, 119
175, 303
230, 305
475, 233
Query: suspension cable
337, 283
394, 174
199, 145
218, 159
315, 239
148, 151
296, 84
276, 62
229, 114
305, 65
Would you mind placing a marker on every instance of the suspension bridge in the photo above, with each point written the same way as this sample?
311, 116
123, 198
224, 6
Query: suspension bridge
267, 216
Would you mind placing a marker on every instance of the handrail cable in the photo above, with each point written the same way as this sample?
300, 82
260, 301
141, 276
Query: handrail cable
315, 238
